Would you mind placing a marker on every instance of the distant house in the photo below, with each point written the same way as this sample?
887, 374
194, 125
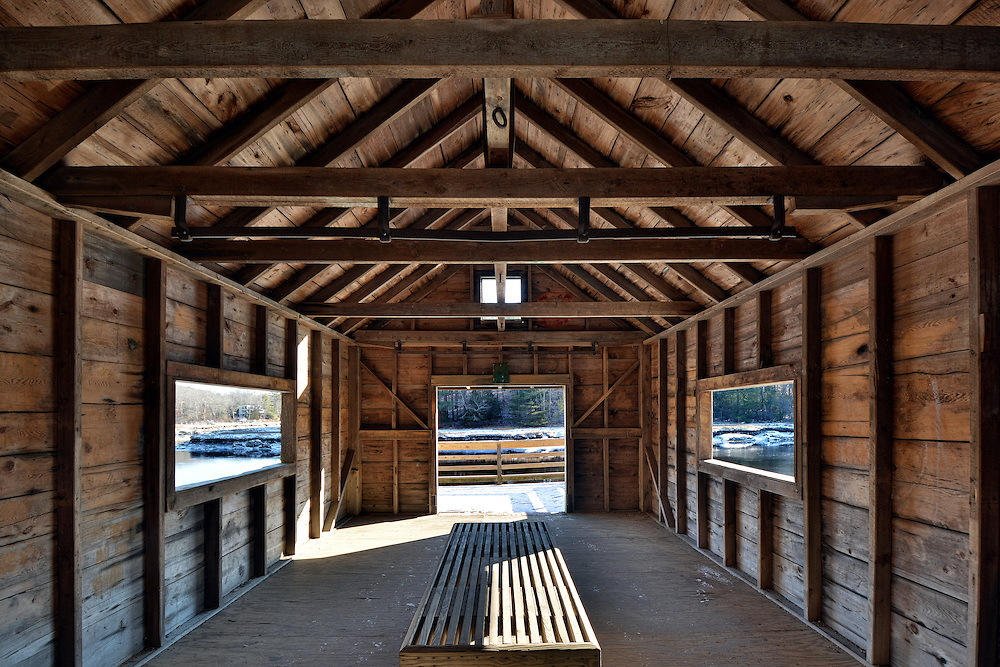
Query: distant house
245, 412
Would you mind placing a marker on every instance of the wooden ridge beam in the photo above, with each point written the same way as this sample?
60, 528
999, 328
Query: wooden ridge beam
890, 103
527, 252
522, 48
491, 187
531, 309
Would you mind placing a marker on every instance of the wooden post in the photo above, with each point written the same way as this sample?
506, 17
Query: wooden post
570, 443
395, 443
315, 434
288, 499
260, 340
729, 488
645, 387
290, 490
154, 454
702, 488
765, 539
729, 521
69, 445
680, 429
214, 326
354, 419
258, 515
336, 455
765, 357
432, 420
605, 443
702, 507
812, 409
984, 327
880, 317
728, 341
765, 500
213, 553
663, 442
499, 463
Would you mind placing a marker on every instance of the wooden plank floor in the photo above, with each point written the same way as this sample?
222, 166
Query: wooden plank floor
348, 600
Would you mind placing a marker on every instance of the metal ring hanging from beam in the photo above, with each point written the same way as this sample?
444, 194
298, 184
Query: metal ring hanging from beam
499, 117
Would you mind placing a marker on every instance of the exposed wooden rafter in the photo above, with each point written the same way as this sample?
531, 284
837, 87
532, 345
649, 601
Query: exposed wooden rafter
104, 101
890, 103
523, 48
390, 108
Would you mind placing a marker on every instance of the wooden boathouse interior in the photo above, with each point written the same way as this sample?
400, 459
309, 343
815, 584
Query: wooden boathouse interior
304, 194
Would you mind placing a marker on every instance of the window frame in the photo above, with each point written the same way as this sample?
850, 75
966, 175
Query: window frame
490, 323
217, 488
746, 475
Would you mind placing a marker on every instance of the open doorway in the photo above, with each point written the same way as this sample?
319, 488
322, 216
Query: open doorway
501, 449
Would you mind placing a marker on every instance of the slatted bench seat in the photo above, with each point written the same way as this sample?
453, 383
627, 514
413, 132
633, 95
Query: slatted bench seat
501, 595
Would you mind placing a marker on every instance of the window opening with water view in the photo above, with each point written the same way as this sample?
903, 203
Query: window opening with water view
754, 427
224, 431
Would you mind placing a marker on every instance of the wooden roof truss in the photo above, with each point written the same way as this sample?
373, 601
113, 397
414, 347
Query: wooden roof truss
556, 134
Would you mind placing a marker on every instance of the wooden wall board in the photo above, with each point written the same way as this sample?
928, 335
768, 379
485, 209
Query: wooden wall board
27, 446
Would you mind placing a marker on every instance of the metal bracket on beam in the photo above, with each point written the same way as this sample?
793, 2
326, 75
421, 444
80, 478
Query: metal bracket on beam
180, 230
779, 218
584, 233
383, 219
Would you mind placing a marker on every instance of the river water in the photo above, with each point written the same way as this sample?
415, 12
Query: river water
764, 446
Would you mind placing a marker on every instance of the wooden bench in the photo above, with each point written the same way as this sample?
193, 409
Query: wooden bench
501, 595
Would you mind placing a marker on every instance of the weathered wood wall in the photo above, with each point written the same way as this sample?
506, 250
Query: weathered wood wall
114, 377
930, 445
